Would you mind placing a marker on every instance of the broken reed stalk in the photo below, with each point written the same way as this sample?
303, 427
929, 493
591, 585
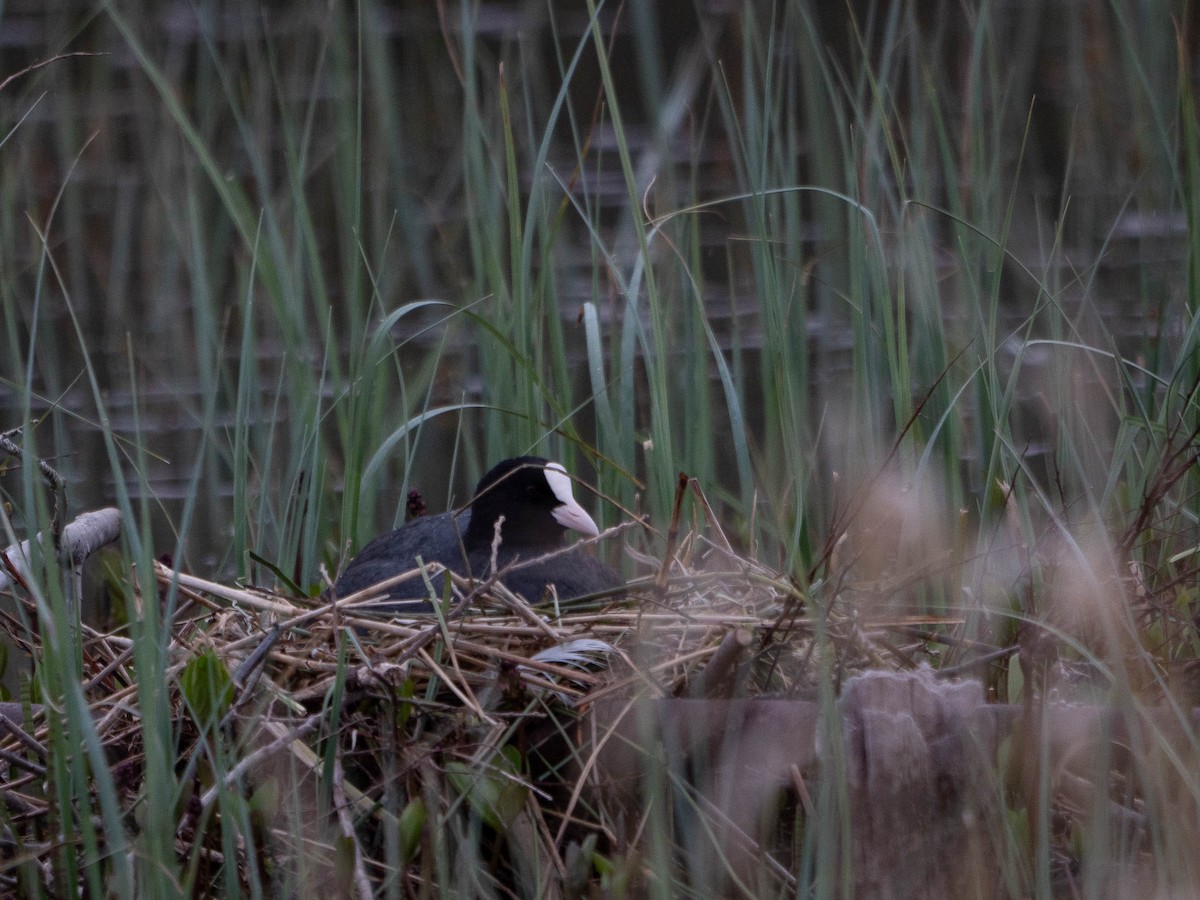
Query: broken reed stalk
660, 581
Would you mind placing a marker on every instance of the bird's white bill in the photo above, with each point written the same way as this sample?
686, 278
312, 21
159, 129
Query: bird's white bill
570, 514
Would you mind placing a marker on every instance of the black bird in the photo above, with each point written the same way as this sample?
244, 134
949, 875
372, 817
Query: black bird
535, 499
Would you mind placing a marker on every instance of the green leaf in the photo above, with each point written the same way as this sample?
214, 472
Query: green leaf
286, 582
265, 800
207, 689
1018, 825
404, 709
412, 825
492, 791
1016, 680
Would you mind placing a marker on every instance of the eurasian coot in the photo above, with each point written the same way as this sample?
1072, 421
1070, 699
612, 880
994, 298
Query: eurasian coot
535, 499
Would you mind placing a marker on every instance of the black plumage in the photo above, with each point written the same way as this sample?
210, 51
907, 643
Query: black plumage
534, 498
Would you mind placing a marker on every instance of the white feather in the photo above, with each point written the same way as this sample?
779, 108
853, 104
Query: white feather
560, 482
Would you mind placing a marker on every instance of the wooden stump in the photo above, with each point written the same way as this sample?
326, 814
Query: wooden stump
916, 754
919, 767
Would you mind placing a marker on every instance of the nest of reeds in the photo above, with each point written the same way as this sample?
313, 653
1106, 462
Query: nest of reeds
320, 740
370, 729
347, 735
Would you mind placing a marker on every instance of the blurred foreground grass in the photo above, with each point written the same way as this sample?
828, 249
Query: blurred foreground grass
909, 290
